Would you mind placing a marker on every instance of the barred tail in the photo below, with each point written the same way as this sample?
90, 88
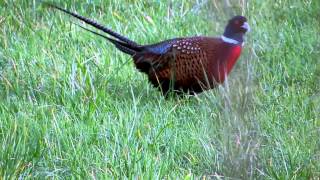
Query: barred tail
122, 43
95, 24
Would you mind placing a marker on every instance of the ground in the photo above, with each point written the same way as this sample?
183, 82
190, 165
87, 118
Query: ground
72, 105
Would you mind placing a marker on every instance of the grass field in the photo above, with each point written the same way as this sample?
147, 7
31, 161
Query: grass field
71, 105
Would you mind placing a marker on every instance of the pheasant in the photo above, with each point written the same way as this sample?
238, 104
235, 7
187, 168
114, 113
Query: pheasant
181, 65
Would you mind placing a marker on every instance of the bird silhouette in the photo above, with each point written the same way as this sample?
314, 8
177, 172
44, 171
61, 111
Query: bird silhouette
181, 65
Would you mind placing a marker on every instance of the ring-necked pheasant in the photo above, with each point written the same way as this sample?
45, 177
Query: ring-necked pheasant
190, 64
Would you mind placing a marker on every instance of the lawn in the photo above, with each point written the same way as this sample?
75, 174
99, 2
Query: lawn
72, 106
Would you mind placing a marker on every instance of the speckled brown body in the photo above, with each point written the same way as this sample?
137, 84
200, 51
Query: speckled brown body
190, 64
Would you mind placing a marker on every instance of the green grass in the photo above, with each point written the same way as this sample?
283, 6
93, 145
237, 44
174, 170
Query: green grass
71, 105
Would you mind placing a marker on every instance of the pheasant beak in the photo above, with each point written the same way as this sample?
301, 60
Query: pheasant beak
246, 26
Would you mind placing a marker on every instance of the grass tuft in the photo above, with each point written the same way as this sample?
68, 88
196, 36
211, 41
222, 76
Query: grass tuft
73, 106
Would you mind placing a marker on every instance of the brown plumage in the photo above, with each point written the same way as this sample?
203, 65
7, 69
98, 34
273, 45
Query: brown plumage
191, 64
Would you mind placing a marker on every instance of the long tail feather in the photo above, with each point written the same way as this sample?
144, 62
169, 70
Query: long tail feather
120, 45
96, 25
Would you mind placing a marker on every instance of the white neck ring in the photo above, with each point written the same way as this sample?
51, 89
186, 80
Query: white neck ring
229, 40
